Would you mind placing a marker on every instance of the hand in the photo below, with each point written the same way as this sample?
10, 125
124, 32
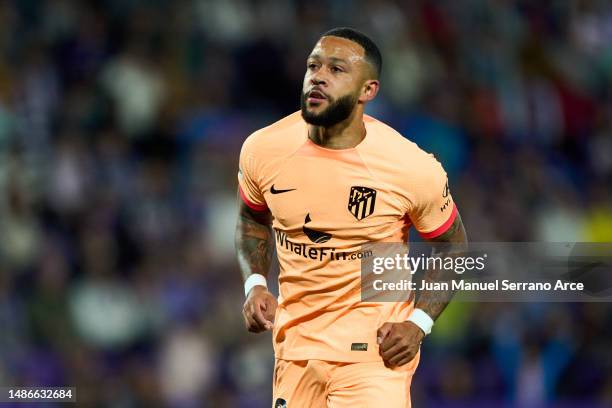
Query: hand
399, 342
259, 310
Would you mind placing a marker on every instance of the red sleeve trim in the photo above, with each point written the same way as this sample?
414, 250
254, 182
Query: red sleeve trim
252, 206
442, 228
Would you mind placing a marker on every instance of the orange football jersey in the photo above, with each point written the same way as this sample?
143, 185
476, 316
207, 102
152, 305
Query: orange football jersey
326, 204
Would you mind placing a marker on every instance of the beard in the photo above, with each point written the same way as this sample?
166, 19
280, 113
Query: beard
337, 111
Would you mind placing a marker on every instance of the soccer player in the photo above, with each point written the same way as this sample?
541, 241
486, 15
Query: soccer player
329, 180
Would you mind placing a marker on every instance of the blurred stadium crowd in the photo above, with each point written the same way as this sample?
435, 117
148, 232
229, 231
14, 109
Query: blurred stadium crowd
120, 127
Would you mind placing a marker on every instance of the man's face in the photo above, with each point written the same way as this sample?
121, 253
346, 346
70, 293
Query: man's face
332, 84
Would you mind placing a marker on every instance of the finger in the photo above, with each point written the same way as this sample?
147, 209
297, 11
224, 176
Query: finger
260, 319
255, 326
405, 360
248, 322
272, 303
402, 357
270, 311
263, 307
382, 332
268, 314
392, 351
395, 360
251, 324
390, 341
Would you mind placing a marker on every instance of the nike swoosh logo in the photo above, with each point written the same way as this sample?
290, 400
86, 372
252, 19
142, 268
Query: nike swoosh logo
275, 191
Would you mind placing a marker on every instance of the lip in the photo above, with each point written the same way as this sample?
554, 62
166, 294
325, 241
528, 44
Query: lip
316, 96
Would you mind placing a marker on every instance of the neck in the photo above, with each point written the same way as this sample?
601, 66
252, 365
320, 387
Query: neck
343, 135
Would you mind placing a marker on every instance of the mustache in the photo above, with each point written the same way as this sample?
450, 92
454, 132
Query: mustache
316, 89
306, 94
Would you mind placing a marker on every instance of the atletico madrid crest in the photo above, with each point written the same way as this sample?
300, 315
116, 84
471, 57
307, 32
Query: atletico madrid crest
361, 201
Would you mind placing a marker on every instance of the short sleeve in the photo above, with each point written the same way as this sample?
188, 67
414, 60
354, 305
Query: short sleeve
433, 210
250, 191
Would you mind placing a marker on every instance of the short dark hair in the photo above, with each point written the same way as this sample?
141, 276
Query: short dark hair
372, 53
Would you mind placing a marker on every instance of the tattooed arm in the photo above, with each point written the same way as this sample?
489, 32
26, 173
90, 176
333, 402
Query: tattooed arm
254, 248
433, 302
254, 240
400, 342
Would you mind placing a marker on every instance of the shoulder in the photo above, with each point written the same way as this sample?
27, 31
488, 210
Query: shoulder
285, 135
387, 144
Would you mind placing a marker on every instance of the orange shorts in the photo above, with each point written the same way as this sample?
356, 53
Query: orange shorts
325, 384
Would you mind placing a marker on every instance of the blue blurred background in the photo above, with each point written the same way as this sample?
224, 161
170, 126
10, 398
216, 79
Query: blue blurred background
120, 127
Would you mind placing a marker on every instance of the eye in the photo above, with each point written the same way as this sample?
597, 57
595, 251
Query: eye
336, 69
312, 66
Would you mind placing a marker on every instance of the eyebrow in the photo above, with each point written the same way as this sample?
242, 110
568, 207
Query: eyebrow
332, 59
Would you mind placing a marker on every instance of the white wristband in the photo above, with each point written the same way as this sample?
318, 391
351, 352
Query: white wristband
421, 319
254, 280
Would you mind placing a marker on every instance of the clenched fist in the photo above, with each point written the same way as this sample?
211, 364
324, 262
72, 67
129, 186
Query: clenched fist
399, 342
259, 310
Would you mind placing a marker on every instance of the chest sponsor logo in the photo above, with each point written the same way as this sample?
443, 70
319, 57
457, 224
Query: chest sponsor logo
359, 347
361, 201
318, 237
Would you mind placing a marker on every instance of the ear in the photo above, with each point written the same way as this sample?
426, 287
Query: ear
369, 90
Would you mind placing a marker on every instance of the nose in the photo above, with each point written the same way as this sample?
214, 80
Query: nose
318, 79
